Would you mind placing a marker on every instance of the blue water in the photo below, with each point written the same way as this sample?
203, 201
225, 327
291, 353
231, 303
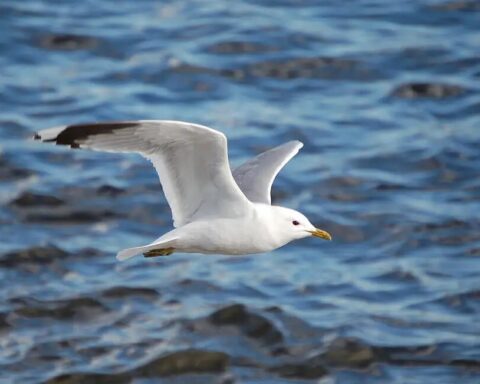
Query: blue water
385, 96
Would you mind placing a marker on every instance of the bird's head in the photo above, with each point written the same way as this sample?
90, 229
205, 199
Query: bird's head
293, 225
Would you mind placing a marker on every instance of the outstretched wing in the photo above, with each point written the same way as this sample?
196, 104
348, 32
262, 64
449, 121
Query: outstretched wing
191, 161
255, 177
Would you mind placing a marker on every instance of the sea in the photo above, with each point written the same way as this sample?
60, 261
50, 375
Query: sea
385, 97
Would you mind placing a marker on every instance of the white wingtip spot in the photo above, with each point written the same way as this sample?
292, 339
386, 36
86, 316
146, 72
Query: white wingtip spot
49, 134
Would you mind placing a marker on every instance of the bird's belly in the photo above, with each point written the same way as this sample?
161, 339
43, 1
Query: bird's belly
244, 247
225, 238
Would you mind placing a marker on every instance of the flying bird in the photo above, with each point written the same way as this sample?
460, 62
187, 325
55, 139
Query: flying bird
214, 210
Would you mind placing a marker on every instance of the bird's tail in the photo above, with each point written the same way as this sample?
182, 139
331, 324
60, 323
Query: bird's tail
125, 254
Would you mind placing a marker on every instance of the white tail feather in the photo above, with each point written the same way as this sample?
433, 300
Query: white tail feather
125, 254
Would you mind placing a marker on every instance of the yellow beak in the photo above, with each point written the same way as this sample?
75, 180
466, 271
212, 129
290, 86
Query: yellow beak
322, 234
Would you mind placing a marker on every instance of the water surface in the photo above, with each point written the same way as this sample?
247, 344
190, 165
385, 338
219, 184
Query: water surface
385, 97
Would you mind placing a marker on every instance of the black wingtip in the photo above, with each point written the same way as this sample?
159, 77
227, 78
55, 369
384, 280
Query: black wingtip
71, 135
74, 133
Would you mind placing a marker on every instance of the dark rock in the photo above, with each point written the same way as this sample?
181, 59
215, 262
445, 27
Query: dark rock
474, 252
172, 302
234, 314
71, 217
287, 69
187, 361
296, 68
427, 90
84, 378
10, 172
238, 47
344, 196
3, 322
200, 285
344, 182
34, 255
460, 5
343, 353
447, 224
389, 187
303, 67
186, 68
109, 190
251, 324
300, 371
83, 307
68, 42
29, 199
280, 351
349, 353
226, 379
123, 292
422, 355
464, 363
407, 355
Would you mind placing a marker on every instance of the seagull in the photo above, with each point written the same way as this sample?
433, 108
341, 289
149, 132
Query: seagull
214, 210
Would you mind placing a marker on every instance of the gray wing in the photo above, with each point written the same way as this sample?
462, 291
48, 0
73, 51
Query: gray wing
255, 177
191, 161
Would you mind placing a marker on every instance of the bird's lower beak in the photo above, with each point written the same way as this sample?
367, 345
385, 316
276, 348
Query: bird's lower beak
322, 234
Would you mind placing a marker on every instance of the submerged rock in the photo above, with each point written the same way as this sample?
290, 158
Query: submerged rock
70, 216
234, 314
10, 172
427, 90
124, 292
286, 69
82, 378
4, 325
34, 255
238, 47
294, 68
341, 353
458, 5
68, 42
300, 370
82, 307
29, 199
253, 325
109, 190
303, 67
349, 353
187, 361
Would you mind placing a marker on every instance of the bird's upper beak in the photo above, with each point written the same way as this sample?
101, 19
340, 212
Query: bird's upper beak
321, 233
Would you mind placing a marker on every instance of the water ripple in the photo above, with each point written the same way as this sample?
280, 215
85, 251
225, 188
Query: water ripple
385, 97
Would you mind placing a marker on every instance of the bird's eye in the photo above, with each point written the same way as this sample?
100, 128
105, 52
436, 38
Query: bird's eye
295, 222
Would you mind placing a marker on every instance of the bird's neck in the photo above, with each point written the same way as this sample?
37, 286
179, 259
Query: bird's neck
267, 222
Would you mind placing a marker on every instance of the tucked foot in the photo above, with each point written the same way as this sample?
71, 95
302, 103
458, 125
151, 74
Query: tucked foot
159, 252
